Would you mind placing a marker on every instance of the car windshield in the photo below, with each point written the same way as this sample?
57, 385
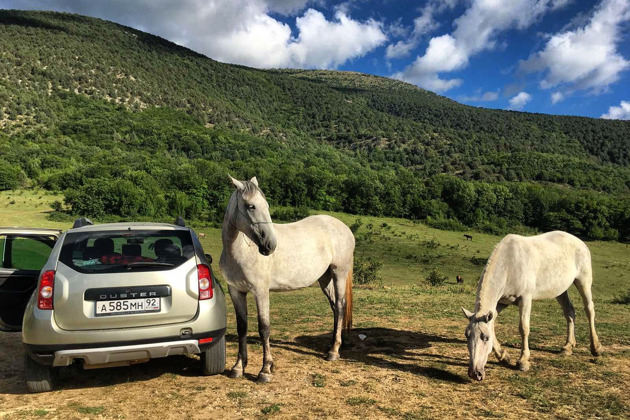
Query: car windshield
126, 250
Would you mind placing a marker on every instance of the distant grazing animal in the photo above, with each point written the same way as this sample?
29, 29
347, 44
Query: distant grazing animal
522, 269
259, 256
468, 237
460, 279
201, 235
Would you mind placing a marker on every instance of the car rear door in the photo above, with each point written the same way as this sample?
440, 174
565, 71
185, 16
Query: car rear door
23, 255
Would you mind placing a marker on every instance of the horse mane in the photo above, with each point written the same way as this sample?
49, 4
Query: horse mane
487, 272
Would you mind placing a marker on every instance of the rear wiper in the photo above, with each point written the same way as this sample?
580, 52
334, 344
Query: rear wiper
143, 264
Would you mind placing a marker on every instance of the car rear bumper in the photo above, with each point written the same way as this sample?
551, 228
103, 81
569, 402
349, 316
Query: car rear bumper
43, 339
108, 353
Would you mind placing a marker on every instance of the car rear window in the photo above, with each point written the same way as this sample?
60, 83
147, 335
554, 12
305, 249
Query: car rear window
126, 250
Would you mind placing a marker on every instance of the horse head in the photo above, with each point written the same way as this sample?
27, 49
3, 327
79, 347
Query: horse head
252, 215
480, 337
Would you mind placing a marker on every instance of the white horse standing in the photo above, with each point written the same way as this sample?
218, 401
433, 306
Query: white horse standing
522, 269
259, 256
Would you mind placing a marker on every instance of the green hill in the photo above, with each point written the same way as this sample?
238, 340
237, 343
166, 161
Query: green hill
131, 125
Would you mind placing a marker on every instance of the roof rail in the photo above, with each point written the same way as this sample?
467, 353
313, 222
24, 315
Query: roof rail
81, 222
180, 221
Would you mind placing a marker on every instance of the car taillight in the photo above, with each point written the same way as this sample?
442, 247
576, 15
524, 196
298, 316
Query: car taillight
205, 282
46, 290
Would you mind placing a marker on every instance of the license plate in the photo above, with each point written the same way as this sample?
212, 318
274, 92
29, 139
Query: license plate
127, 306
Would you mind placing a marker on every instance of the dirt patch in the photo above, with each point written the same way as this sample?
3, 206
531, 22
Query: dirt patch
403, 368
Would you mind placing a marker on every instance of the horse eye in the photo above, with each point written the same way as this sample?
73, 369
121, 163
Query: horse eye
484, 337
251, 207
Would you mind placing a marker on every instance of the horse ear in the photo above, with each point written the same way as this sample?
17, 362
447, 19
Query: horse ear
254, 181
238, 184
467, 313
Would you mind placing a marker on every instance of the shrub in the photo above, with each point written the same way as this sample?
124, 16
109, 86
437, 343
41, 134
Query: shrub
478, 260
623, 298
446, 224
366, 270
435, 277
290, 214
9, 176
355, 226
56, 205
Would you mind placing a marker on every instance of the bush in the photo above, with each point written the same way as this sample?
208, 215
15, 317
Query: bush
366, 270
355, 226
623, 298
479, 260
290, 214
9, 176
102, 197
435, 277
56, 205
446, 224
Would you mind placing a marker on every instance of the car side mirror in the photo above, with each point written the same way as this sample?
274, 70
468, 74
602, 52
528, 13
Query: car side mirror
209, 258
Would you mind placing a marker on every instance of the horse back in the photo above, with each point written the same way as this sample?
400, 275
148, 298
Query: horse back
546, 265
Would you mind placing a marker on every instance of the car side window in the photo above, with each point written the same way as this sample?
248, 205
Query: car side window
25, 252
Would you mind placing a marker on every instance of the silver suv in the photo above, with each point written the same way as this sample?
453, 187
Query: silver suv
122, 293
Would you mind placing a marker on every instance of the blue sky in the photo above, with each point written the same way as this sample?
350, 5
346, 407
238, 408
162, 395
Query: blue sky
548, 56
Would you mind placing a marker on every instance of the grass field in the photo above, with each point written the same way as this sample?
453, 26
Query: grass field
412, 363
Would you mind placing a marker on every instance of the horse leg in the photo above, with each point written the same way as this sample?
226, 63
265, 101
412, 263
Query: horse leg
525, 308
326, 284
569, 314
500, 354
239, 299
262, 304
340, 276
584, 287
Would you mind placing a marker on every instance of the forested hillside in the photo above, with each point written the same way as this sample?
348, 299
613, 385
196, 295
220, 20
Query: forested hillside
131, 125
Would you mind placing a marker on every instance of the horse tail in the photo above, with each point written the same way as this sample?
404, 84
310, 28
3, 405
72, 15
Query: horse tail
347, 319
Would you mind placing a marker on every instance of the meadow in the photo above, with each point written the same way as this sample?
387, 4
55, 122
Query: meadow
411, 364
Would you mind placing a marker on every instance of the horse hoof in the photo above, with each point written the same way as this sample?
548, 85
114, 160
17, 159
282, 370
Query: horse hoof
263, 378
505, 358
522, 365
566, 351
597, 351
332, 357
236, 373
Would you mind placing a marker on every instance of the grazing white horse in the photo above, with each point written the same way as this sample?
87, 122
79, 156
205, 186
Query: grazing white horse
259, 256
522, 269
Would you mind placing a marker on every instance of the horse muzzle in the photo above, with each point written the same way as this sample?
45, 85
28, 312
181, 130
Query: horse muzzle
267, 248
476, 374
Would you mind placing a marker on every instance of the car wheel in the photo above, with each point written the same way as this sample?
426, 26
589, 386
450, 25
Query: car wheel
39, 378
213, 359
8, 327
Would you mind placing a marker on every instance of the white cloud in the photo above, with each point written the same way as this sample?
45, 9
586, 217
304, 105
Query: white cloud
519, 101
557, 97
621, 112
585, 58
288, 7
489, 96
328, 44
399, 50
422, 25
238, 31
397, 29
475, 31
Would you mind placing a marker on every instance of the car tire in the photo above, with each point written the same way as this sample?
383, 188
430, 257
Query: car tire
8, 327
39, 378
213, 359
